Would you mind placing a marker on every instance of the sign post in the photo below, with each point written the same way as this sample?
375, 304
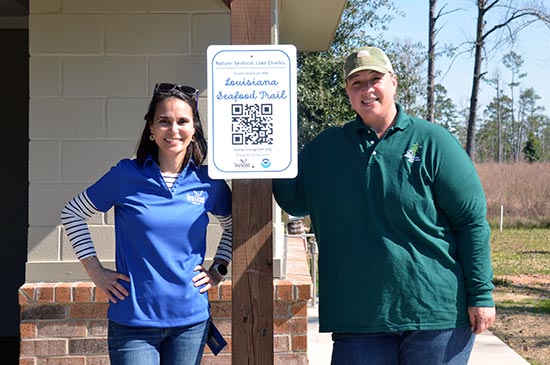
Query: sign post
252, 128
252, 267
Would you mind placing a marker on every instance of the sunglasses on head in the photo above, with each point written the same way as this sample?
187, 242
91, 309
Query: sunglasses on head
166, 87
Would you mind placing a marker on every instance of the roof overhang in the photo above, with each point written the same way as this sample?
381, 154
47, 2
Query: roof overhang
310, 25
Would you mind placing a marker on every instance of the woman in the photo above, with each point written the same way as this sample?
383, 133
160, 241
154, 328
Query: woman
158, 302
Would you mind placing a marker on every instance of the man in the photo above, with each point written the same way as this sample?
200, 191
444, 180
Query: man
399, 216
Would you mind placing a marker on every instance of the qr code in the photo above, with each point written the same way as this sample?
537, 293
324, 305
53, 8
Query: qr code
252, 124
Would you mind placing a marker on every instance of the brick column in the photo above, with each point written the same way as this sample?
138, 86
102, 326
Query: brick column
63, 323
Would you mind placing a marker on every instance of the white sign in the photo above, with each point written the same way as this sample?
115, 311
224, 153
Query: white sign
252, 113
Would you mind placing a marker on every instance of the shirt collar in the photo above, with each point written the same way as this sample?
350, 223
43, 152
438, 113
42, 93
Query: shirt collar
402, 120
150, 161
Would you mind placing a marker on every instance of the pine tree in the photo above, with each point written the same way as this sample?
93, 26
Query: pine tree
532, 151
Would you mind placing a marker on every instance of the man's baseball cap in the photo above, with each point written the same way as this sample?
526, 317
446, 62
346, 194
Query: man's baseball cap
367, 58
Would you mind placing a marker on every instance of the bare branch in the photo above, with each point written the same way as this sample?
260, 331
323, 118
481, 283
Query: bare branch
454, 59
440, 13
488, 7
538, 16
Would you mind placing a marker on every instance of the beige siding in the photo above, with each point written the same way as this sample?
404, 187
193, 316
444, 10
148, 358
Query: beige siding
92, 67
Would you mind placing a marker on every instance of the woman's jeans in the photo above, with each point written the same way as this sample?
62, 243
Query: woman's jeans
153, 346
428, 347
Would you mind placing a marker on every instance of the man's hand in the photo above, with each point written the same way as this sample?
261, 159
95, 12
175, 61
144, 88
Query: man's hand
481, 318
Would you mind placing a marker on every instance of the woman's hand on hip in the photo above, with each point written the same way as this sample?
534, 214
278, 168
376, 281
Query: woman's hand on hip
107, 280
204, 279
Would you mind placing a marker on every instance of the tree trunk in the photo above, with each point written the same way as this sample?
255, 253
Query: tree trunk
431, 63
470, 136
499, 123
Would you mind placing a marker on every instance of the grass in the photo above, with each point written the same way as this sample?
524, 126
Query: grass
541, 306
521, 251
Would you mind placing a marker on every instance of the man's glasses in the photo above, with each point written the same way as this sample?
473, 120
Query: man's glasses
166, 88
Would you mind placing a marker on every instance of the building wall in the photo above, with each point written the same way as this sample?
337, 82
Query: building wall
93, 65
92, 68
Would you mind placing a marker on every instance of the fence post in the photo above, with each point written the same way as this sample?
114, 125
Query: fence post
501, 216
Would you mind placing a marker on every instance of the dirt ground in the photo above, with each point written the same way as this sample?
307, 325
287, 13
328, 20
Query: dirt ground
519, 324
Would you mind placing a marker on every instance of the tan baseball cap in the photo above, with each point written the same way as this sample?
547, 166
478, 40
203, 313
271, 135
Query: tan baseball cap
367, 58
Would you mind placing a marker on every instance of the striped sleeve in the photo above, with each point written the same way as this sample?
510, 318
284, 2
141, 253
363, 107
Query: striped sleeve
225, 247
73, 218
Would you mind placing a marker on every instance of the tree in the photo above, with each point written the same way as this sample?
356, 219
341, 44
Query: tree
493, 142
432, 30
513, 62
501, 123
433, 18
446, 113
518, 15
322, 101
531, 113
409, 63
531, 118
532, 150
545, 137
495, 81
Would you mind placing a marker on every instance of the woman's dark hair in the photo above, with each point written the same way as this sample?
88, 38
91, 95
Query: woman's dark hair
196, 150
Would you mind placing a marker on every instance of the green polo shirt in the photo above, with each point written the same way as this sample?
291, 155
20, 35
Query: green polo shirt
400, 223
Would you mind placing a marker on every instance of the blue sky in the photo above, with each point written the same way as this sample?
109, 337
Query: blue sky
533, 45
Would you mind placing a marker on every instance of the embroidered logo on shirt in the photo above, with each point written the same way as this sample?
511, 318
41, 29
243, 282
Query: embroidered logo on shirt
413, 152
196, 197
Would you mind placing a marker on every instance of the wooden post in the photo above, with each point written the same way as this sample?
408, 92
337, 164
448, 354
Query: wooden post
252, 267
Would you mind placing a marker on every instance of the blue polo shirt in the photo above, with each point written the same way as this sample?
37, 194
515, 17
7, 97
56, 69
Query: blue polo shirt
160, 238
401, 226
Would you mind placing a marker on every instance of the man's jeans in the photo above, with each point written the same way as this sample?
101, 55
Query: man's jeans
152, 346
428, 347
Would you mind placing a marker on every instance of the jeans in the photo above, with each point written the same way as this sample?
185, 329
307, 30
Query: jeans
153, 346
427, 347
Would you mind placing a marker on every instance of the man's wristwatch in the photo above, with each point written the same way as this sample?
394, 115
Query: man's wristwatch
220, 269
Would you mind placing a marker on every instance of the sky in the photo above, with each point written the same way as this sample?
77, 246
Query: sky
533, 45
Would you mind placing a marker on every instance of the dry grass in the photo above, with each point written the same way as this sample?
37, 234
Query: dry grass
523, 190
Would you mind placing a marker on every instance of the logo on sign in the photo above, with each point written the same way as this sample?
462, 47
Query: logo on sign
242, 164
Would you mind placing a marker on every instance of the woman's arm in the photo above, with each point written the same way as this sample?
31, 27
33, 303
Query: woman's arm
73, 218
225, 247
